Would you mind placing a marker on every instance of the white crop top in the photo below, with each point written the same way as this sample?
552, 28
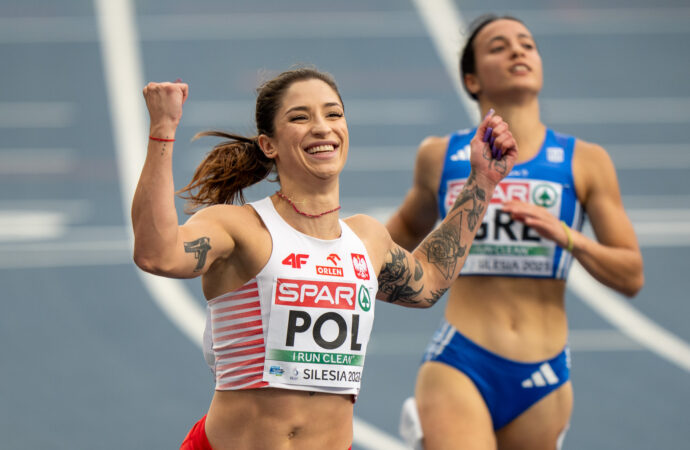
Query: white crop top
303, 322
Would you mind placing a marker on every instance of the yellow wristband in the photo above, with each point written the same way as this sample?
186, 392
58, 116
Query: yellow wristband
570, 236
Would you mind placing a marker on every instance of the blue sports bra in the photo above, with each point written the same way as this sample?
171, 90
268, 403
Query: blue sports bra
506, 247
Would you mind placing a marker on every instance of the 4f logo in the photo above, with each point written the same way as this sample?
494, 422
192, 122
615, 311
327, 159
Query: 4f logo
295, 260
359, 263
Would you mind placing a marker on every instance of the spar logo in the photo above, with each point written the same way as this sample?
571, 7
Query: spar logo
329, 270
359, 263
315, 294
505, 191
544, 195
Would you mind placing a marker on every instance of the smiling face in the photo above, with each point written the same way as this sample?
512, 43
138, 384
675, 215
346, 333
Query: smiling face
507, 62
310, 132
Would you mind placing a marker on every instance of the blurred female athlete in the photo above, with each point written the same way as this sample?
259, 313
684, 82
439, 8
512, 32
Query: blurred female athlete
496, 374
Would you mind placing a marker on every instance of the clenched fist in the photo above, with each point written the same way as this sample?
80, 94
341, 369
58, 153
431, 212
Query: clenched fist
494, 150
164, 102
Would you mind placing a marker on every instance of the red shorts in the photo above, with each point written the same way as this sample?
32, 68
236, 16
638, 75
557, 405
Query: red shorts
196, 438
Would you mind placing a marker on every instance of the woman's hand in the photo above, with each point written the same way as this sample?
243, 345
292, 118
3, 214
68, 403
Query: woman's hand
164, 102
494, 149
539, 219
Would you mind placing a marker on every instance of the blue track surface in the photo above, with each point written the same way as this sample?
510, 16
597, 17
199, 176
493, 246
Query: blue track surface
88, 361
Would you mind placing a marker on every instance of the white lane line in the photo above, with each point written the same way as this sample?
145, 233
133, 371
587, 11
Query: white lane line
607, 304
37, 114
37, 161
652, 156
388, 112
654, 228
678, 201
617, 310
649, 156
107, 253
124, 80
584, 340
619, 111
339, 25
604, 21
371, 438
38, 237
579, 340
446, 25
124, 83
23, 225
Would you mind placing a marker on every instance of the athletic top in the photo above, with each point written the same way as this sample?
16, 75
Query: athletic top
506, 247
303, 322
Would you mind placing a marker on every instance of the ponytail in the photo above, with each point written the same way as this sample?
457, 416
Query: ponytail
231, 166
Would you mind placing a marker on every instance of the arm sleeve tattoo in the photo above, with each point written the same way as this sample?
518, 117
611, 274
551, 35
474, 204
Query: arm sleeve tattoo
395, 276
444, 246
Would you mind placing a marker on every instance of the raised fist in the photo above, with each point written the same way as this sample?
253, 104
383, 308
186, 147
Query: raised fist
164, 102
494, 150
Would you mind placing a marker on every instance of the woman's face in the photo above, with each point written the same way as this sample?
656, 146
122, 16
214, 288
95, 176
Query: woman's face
311, 135
507, 62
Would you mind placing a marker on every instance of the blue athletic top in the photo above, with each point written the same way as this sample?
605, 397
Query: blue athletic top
506, 247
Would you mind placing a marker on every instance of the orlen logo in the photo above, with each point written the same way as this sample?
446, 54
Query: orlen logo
315, 294
505, 191
328, 270
359, 263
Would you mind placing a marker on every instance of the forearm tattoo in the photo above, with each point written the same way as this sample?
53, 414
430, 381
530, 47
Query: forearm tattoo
444, 246
395, 276
200, 248
435, 296
471, 194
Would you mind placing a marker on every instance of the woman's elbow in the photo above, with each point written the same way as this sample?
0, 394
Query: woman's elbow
634, 285
145, 262
635, 281
150, 262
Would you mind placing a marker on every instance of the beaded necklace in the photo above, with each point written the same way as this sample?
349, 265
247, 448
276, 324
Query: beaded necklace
297, 210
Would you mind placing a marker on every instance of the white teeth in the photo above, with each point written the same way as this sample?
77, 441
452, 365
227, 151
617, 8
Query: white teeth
520, 68
320, 149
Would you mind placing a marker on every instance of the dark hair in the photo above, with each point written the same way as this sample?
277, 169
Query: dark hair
238, 162
467, 56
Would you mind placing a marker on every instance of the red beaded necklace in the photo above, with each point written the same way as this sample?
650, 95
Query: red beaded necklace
311, 216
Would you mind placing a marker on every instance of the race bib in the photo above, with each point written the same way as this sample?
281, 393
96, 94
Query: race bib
317, 333
504, 246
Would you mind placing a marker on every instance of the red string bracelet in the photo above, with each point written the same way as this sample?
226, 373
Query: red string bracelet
161, 139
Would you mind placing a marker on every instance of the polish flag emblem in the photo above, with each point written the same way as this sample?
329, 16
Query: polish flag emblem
359, 263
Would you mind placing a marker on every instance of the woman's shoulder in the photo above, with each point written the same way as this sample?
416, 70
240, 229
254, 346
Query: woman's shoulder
433, 147
227, 215
372, 232
588, 149
593, 169
590, 156
364, 225
373, 235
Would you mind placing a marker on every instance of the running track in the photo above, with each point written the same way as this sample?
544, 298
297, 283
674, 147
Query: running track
94, 355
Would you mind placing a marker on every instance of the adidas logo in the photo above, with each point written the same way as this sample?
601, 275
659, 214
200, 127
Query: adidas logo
463, 154
545, 375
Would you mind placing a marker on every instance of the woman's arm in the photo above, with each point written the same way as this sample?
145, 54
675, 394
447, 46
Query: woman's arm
420, 278
161, 246
614, 258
